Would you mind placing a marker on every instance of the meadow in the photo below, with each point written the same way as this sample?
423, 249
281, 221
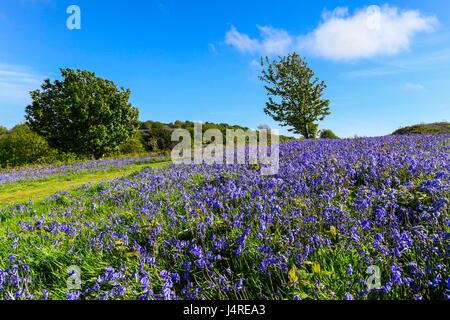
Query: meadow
335, 208
40, 181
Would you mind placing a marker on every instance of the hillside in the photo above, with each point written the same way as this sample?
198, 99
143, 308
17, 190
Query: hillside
430, 128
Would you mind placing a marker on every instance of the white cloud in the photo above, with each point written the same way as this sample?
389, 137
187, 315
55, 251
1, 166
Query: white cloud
272, 41
413, 87
15, 84
369, 32
275, 41
241, 42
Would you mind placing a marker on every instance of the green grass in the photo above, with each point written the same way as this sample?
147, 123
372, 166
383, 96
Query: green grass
40, 189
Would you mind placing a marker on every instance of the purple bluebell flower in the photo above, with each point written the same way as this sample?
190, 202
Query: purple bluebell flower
73, 295
349, 270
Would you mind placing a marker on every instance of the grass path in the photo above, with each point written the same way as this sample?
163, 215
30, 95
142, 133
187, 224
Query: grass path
42, 188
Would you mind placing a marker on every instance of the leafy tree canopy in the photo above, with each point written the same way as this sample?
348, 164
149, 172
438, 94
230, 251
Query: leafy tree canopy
295, 95
82, 113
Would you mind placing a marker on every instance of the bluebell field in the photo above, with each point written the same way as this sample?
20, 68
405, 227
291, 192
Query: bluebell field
335, 208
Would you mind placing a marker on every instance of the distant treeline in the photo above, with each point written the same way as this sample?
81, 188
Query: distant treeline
156, 136
21, 146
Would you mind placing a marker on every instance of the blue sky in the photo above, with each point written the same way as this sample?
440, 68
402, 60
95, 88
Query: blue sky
385, 66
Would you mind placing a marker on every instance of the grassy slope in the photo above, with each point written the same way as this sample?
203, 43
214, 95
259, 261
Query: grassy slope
431, 128
42, 188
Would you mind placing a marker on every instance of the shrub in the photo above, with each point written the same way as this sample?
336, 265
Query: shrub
22, 146
133, 145
328, 134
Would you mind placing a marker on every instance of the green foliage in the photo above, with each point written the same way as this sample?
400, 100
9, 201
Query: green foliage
431, 128
295, 96
3, 130
22, 146
82, 113
156, 136
328, 134
134, 145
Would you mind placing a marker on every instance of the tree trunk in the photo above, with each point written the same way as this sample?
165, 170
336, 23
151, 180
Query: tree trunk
306, 132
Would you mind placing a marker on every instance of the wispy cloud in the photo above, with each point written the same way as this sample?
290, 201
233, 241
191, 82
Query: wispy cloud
15, 84
369, 32
36, 1
413, 87
372, 72
212, 47
255, 63
434, 60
